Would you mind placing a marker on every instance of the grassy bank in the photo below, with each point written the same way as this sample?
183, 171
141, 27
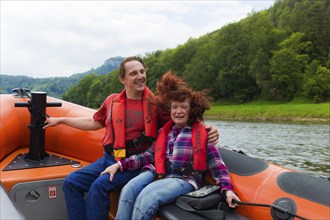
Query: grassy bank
261, 111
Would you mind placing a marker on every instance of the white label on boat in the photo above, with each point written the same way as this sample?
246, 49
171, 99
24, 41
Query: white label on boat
52, 192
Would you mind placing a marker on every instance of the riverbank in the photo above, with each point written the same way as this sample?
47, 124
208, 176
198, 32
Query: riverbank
260, 111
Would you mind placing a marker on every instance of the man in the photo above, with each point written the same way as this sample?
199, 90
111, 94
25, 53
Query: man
131, 123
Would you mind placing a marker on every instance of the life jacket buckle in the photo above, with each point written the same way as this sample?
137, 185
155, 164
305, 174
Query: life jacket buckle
136, 143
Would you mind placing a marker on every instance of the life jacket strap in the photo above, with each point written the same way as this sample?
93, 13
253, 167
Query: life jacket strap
136, 142
131, 146
182, 171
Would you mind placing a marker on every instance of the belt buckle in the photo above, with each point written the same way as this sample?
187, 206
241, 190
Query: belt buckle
136, 143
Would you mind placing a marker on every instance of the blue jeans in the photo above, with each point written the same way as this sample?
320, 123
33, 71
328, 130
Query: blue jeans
96, 203
129, 193
145, 199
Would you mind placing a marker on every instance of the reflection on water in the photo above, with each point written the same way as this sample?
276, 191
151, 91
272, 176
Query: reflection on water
302, 147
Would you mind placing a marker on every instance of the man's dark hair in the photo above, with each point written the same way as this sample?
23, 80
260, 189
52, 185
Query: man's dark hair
128, 59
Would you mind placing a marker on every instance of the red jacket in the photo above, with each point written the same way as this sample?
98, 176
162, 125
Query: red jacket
115, 133
199, 142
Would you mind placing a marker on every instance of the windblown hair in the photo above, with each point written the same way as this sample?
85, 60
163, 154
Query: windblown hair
172, 88
128, 59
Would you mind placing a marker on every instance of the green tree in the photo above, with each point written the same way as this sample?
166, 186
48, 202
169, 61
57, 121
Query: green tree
113, 83
182, 55
158, 63
78, 93
287, 67
199, 73
95, 97
317, 83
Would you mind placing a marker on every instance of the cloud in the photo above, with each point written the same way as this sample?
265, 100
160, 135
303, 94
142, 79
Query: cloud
60, 38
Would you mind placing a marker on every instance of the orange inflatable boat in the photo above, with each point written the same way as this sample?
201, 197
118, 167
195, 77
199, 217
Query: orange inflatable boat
34, 163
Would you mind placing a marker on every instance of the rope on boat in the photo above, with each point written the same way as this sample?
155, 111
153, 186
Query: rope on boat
33, 107
272, 206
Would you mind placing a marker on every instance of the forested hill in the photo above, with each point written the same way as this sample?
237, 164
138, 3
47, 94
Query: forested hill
54, 86
276, 54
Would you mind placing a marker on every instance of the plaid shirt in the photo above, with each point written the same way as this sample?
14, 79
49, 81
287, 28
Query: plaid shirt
179, 152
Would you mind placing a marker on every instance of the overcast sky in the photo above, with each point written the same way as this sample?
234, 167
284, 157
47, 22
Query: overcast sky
60, 38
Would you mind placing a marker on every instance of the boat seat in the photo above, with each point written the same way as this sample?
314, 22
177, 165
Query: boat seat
173, 212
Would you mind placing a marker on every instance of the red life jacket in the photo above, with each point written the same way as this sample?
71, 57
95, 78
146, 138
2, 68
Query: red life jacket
117, 133
199, 142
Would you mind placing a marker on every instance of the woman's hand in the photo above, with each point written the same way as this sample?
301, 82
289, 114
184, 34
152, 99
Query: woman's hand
213, 134
112, 170
230, 195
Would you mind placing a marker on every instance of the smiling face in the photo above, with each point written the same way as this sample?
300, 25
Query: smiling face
134, 80
180, 112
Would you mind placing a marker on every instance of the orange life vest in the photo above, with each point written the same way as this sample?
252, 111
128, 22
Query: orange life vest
199, 142
118, 121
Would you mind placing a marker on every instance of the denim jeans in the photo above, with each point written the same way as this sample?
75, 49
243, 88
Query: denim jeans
148, 198
129, 193
96, 203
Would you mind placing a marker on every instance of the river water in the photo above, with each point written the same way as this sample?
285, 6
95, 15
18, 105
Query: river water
302, 147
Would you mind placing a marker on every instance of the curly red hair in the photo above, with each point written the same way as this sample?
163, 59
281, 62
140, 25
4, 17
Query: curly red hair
173, 88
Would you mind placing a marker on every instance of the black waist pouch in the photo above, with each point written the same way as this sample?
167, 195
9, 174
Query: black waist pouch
205, 198
204, 201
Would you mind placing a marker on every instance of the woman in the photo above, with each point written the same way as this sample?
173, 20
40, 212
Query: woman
180, 155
